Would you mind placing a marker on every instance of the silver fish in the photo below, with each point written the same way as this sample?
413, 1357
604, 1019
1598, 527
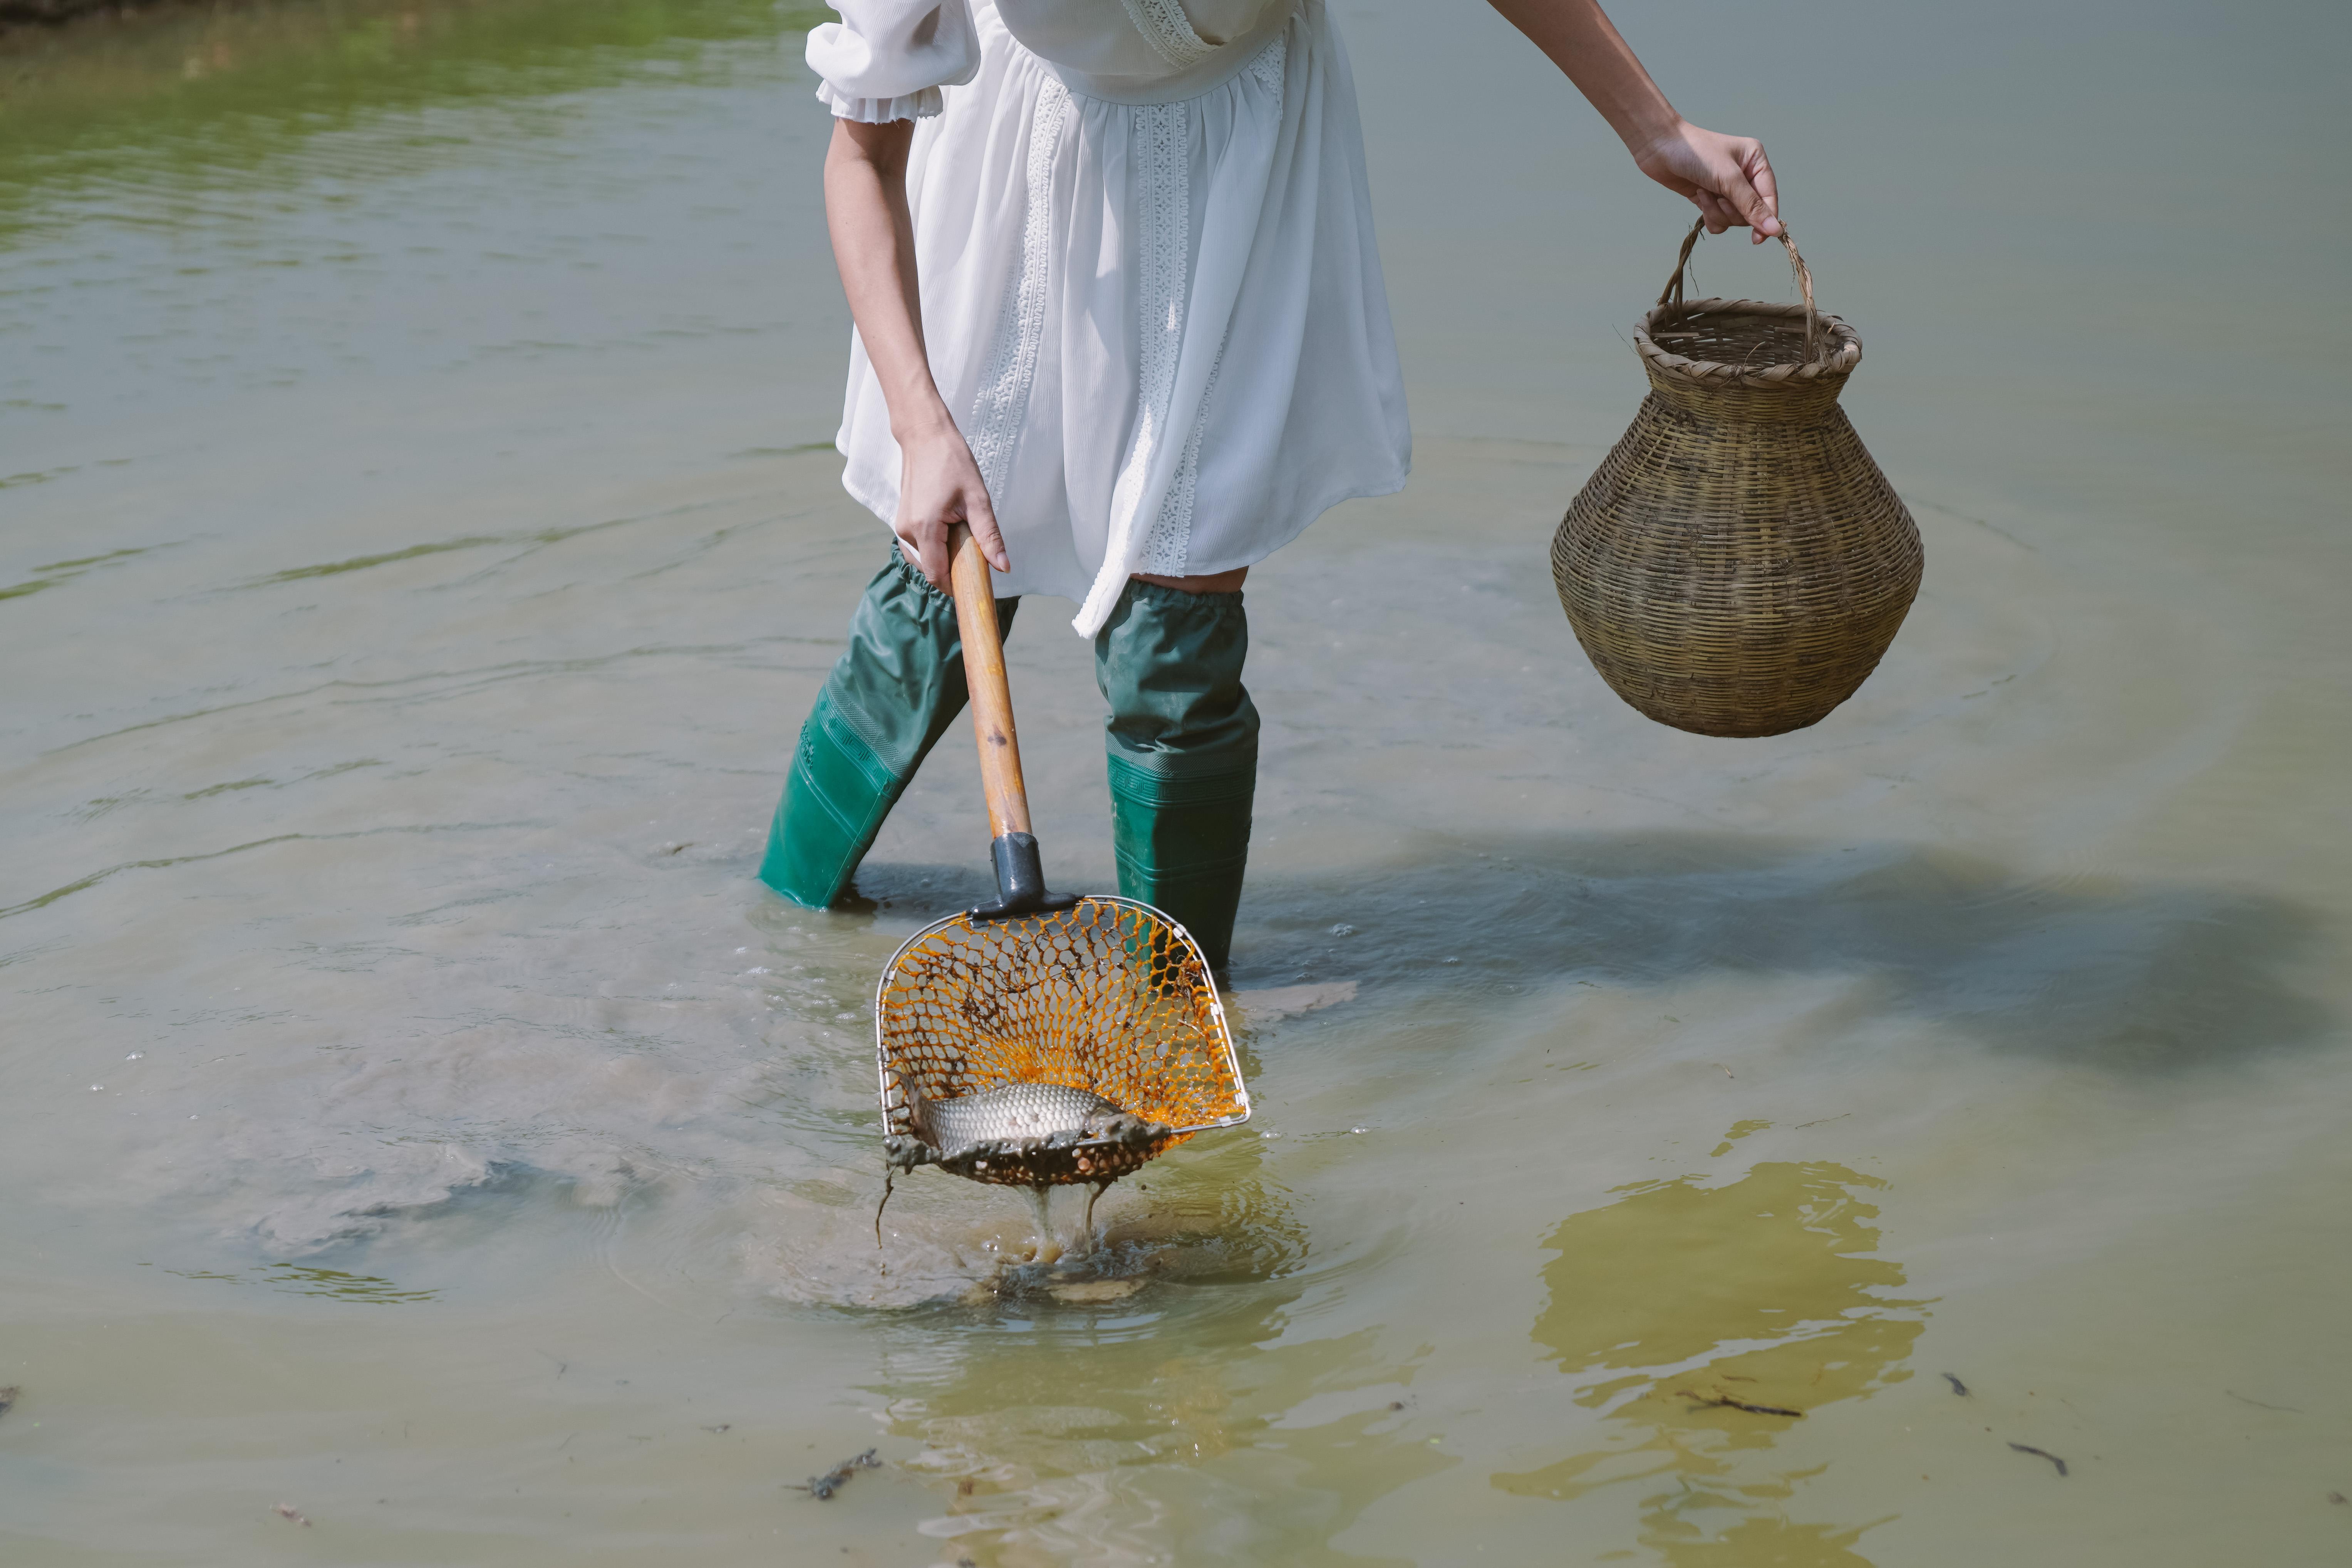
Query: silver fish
1017, 1110
1017, 1116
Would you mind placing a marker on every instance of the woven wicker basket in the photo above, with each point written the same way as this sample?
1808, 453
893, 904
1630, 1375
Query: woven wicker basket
1738, 565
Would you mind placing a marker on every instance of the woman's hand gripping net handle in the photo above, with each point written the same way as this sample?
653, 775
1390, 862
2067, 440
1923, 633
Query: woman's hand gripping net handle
1020, 879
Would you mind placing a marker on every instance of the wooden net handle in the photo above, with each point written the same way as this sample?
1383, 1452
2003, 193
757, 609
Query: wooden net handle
992, 693
1673, 292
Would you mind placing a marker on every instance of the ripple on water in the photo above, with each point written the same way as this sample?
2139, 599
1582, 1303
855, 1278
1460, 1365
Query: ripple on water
969, 1249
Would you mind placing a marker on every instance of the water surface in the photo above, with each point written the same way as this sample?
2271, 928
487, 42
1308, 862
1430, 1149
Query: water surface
419, 541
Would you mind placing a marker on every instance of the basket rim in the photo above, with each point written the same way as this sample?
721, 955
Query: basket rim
1225, 1033
1843, 350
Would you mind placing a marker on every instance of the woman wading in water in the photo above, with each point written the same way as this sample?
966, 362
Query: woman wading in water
1119, 310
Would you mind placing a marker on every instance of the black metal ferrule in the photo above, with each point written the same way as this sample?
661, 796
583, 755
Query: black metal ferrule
1020, 880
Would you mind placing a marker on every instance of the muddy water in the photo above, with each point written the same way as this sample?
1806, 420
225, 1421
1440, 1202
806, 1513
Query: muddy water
419, 547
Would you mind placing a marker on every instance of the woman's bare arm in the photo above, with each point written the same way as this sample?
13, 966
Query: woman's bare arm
1728, 178
874, 245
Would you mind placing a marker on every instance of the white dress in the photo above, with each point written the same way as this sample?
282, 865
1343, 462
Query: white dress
1149, 289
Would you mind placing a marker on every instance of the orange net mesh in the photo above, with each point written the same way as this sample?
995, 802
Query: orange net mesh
1109, 997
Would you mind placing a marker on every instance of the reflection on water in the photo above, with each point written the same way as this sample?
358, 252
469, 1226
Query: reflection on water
1082, 1444
1138, 1403
1175, 1426
1680, 1296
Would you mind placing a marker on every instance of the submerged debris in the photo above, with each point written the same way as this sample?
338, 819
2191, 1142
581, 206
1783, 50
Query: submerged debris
1727, 1400
1094, 1292
821, 1488
2041, 1454
8, 1397
2262, 1404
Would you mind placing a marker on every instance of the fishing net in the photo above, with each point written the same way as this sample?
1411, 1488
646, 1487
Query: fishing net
1109, 996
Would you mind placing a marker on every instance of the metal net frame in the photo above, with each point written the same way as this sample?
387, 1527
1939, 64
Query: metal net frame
1109, 996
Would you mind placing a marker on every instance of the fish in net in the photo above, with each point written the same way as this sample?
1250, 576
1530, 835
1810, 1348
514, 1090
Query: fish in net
1050, 1048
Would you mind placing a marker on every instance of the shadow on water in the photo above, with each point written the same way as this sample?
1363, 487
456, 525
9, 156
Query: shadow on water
1679, 1297
2101, 972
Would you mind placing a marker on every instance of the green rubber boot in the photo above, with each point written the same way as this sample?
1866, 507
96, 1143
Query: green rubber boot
1182, 745
889, 699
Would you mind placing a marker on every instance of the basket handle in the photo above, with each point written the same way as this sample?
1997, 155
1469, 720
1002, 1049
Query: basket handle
1673, 292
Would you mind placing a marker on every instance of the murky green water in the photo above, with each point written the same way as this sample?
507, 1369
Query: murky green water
418, 545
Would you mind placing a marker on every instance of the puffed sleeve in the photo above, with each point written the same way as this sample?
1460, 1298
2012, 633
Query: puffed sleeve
886, 59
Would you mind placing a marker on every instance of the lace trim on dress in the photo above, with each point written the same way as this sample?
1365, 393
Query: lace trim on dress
1169, 546
1163, 168
1164, 174
1267, 64
1165, 26
1002, 404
